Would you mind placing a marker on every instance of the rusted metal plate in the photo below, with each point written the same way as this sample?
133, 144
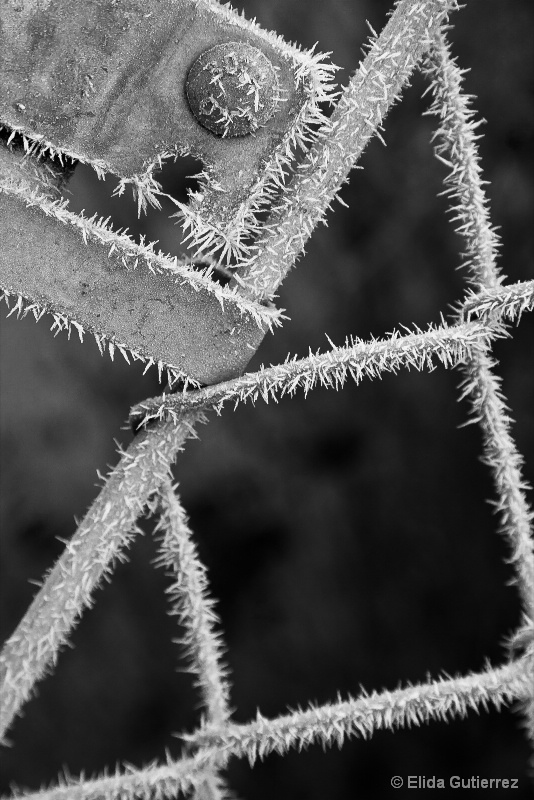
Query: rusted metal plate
158, 316
105, 81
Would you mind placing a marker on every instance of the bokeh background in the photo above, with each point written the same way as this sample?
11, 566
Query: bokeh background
348, 536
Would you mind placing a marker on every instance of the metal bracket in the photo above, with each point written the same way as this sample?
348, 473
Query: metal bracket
126, 300
105, 83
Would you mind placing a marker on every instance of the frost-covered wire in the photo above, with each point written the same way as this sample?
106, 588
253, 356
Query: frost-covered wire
489, 408
192, 606
505, 302
357, 117
330, 724
195, 611
441, 700
457, 147
357, 359
100, 540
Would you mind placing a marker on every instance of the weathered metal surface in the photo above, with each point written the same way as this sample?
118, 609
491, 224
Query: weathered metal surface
105, 81
232, 89
157, 315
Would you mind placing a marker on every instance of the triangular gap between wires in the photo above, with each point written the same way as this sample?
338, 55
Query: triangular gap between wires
88, 192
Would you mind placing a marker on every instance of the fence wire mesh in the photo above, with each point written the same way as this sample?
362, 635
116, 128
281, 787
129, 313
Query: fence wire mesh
142, 479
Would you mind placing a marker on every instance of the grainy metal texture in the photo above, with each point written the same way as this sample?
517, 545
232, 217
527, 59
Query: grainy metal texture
105, 82
157, 315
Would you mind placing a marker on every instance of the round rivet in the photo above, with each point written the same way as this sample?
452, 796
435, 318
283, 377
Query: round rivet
232, 89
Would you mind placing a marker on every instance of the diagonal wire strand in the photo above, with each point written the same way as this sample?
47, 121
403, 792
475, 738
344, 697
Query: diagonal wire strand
195, 610
193, 606
357, 359
357, 117
104, 533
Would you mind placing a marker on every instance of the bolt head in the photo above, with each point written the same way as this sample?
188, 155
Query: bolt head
232, 89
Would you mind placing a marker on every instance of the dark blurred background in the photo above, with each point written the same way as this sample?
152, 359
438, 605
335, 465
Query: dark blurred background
348, 536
